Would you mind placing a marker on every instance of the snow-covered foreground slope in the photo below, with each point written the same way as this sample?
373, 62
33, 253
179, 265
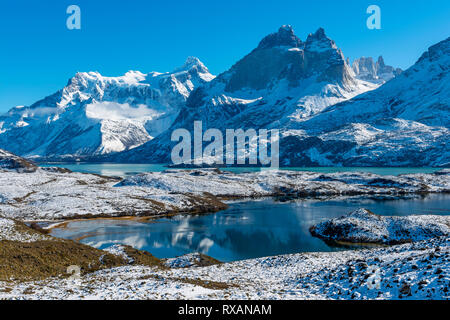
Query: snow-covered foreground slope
403, 123
96, 115
418, 270
410, 271
49, 194
363, 226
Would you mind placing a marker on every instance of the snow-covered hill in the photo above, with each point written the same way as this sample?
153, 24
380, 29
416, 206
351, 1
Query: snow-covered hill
364, 226
9, 161
94, 114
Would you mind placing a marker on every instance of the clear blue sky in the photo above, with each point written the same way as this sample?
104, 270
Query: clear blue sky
38, 54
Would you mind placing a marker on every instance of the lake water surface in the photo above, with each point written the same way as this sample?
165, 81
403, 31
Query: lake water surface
245, 230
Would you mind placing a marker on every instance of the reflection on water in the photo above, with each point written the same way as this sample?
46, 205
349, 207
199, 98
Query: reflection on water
123, 170
246, 230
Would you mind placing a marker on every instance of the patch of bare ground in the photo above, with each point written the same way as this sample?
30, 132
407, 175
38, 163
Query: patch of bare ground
142, 258
206, 261
50, 258
207, 203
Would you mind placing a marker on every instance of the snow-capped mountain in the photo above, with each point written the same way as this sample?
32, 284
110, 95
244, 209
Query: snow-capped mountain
282, 78
326, 113
375, 72
95, 114
281, 81
405, 122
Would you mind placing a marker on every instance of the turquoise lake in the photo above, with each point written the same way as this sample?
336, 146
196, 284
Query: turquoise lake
247, 229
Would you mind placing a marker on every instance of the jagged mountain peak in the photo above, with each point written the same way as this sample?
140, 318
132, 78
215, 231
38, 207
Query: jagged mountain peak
283, 57
319, 41
377, 72
277, 83
380, 61
192, 63
83, 80
286, 28
320, 33
285, 37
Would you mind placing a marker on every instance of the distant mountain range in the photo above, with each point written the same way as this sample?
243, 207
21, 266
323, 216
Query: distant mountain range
375, 72
96, 115
328, 112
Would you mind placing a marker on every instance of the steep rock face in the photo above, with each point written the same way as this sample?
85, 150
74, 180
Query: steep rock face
375, 72
95, 115
386, 72
403, 123
282, 81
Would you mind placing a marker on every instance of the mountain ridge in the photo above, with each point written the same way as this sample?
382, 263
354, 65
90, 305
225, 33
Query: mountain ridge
404, 122
376, 72
283, 78
95, 115
327, 115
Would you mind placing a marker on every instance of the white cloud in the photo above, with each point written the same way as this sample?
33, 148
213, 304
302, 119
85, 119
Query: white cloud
118, 111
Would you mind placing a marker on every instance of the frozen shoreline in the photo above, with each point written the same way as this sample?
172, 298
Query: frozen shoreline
418, 270
52, 194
